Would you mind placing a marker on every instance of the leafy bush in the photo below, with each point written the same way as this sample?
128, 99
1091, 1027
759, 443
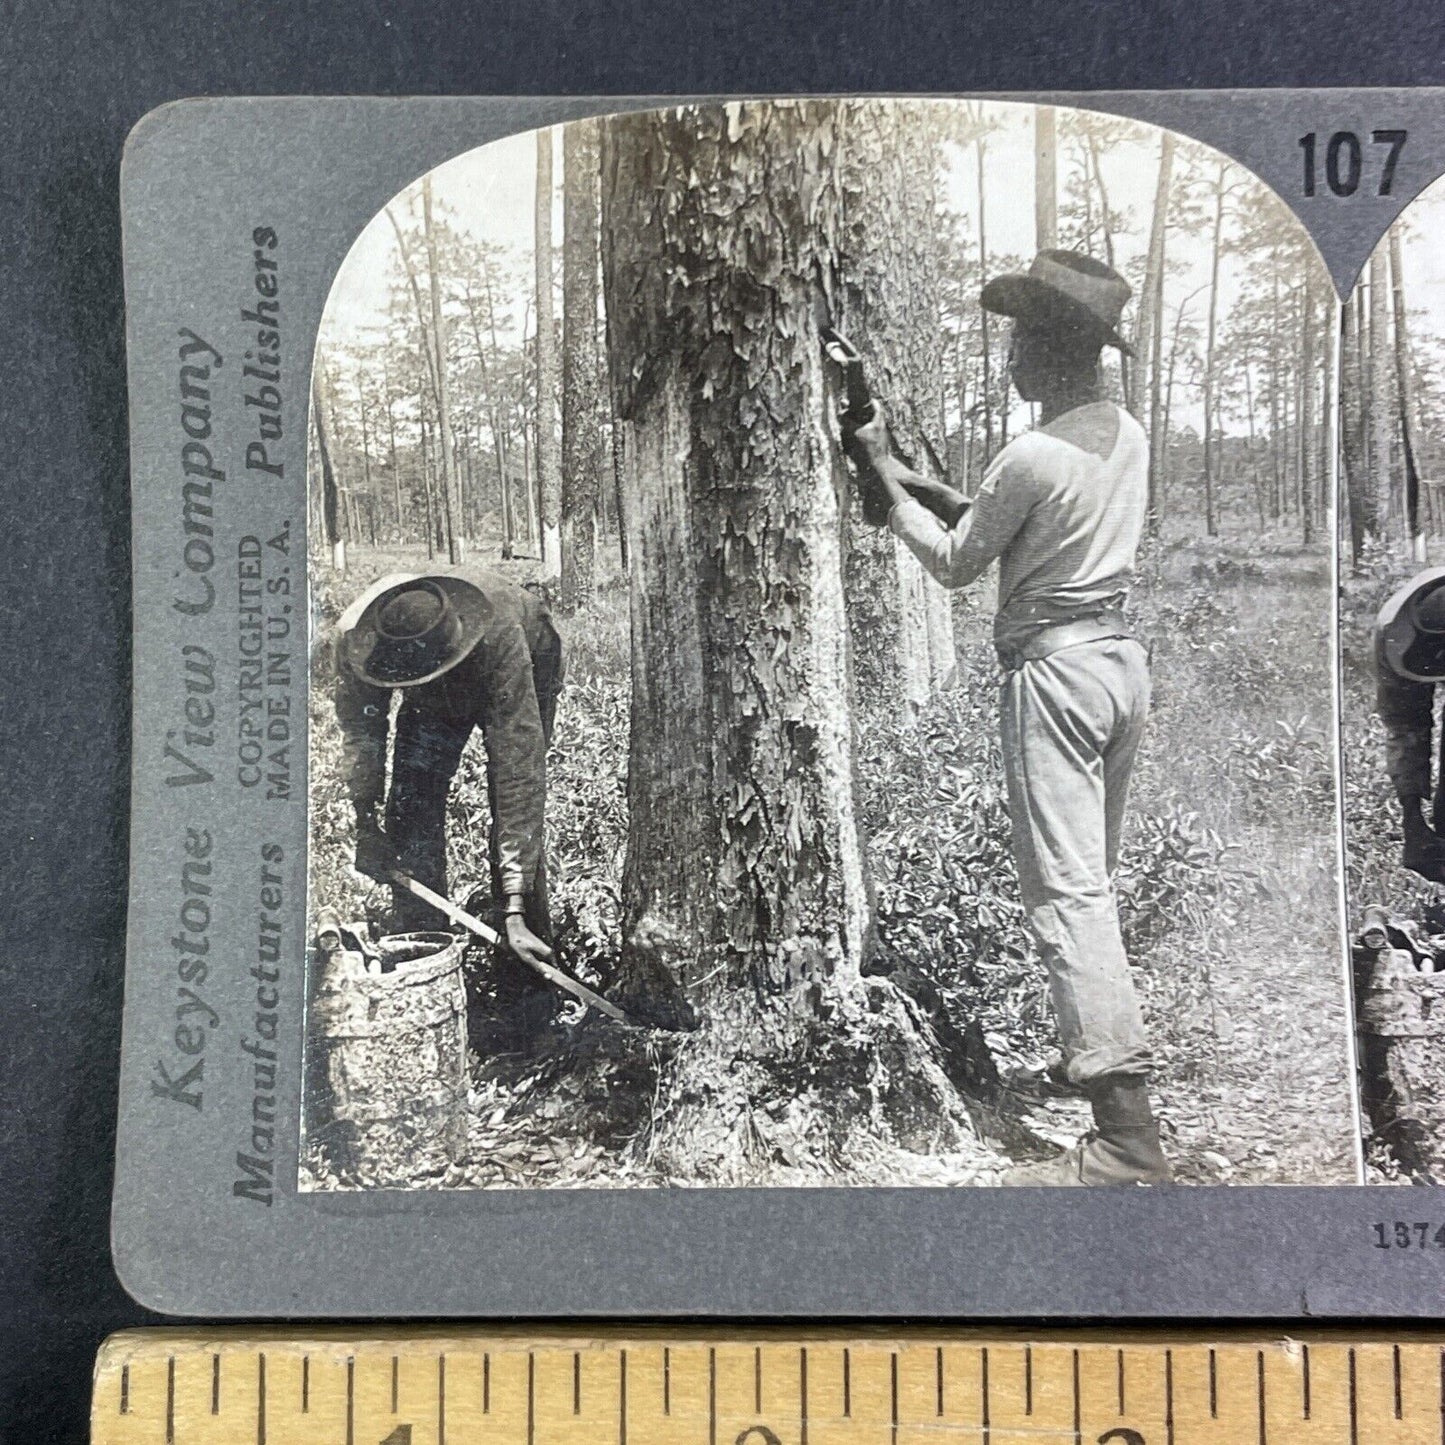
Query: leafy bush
1288, 771
1175, 875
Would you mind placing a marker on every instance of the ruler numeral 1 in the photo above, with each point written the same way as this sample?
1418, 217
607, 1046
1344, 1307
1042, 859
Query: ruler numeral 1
400, 1436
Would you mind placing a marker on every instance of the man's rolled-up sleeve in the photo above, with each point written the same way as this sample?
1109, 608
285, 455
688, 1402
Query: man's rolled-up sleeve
958, 555
516, 758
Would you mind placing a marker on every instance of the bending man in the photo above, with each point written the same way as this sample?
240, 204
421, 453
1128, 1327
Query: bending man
1062, 509
1409, 661
468, 650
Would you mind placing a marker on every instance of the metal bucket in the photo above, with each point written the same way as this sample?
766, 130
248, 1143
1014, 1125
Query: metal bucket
1401, 1014
387, 1062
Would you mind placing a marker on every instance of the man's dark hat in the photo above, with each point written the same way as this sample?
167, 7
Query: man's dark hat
1064, 290
1411, 627
416, 631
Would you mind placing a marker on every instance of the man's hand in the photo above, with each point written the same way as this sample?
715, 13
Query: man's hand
868, 443
375, 856
524, 943
1424, 851
870, 449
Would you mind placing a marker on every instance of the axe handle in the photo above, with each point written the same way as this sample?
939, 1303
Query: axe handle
475, 925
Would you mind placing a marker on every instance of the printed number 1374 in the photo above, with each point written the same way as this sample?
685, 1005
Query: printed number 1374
1400, 1235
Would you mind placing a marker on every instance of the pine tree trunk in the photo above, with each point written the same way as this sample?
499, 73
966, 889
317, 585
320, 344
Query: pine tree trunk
391, 459
427, 490
1211, 524
1276, 383
1405, 391
900, 619
489, 404
549, 470
1352, 431
619, 472
451, 507
1306, 413
1378, 388
744, 877
1046, 179
1151, 321
330, 499
581, 405
986, 393
1168, 409
1261, 501
1126, 376
496, 415
366, 457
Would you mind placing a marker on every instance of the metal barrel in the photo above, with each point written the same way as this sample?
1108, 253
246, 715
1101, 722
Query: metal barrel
386, 1064
1401, 1019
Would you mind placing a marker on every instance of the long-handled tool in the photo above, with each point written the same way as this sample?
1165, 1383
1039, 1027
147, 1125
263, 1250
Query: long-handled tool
475, 925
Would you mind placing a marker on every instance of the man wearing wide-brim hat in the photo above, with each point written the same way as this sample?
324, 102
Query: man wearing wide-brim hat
465, 650
1062, 510
1409, 661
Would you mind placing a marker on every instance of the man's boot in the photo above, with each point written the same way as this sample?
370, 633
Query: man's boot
1122, 1149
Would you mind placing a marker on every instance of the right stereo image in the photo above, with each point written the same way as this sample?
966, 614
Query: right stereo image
1392, 646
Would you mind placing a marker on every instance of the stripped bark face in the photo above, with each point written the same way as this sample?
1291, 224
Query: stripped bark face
746, 858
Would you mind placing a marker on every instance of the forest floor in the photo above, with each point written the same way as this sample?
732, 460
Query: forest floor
1373, 836
1229, 889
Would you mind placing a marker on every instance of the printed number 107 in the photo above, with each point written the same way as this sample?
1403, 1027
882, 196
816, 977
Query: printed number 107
1344, 161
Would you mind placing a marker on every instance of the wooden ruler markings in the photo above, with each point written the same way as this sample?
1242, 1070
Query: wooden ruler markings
218, 1387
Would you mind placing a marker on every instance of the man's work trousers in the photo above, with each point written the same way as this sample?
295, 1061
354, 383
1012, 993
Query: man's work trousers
427, 752
1072, 723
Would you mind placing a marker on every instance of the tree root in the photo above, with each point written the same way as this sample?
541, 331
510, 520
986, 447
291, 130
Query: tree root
845, 1089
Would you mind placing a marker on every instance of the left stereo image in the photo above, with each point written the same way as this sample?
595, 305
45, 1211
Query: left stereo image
821, 663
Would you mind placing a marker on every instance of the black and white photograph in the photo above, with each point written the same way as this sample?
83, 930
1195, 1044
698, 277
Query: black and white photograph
821, 664
1392, 639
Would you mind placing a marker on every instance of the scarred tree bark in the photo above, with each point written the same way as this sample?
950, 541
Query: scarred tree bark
745, 878
581, 417
888, 305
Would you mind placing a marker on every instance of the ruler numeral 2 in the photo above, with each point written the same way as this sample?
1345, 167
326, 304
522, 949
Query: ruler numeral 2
1345, 159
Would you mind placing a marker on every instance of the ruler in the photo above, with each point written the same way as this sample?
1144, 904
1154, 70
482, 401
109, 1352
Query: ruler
638, 1387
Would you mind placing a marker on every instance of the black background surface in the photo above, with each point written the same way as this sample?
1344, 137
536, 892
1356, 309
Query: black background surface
74, 77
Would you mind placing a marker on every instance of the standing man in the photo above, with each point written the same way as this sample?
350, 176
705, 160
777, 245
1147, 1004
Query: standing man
465, 650
1409, 661
1062, 508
